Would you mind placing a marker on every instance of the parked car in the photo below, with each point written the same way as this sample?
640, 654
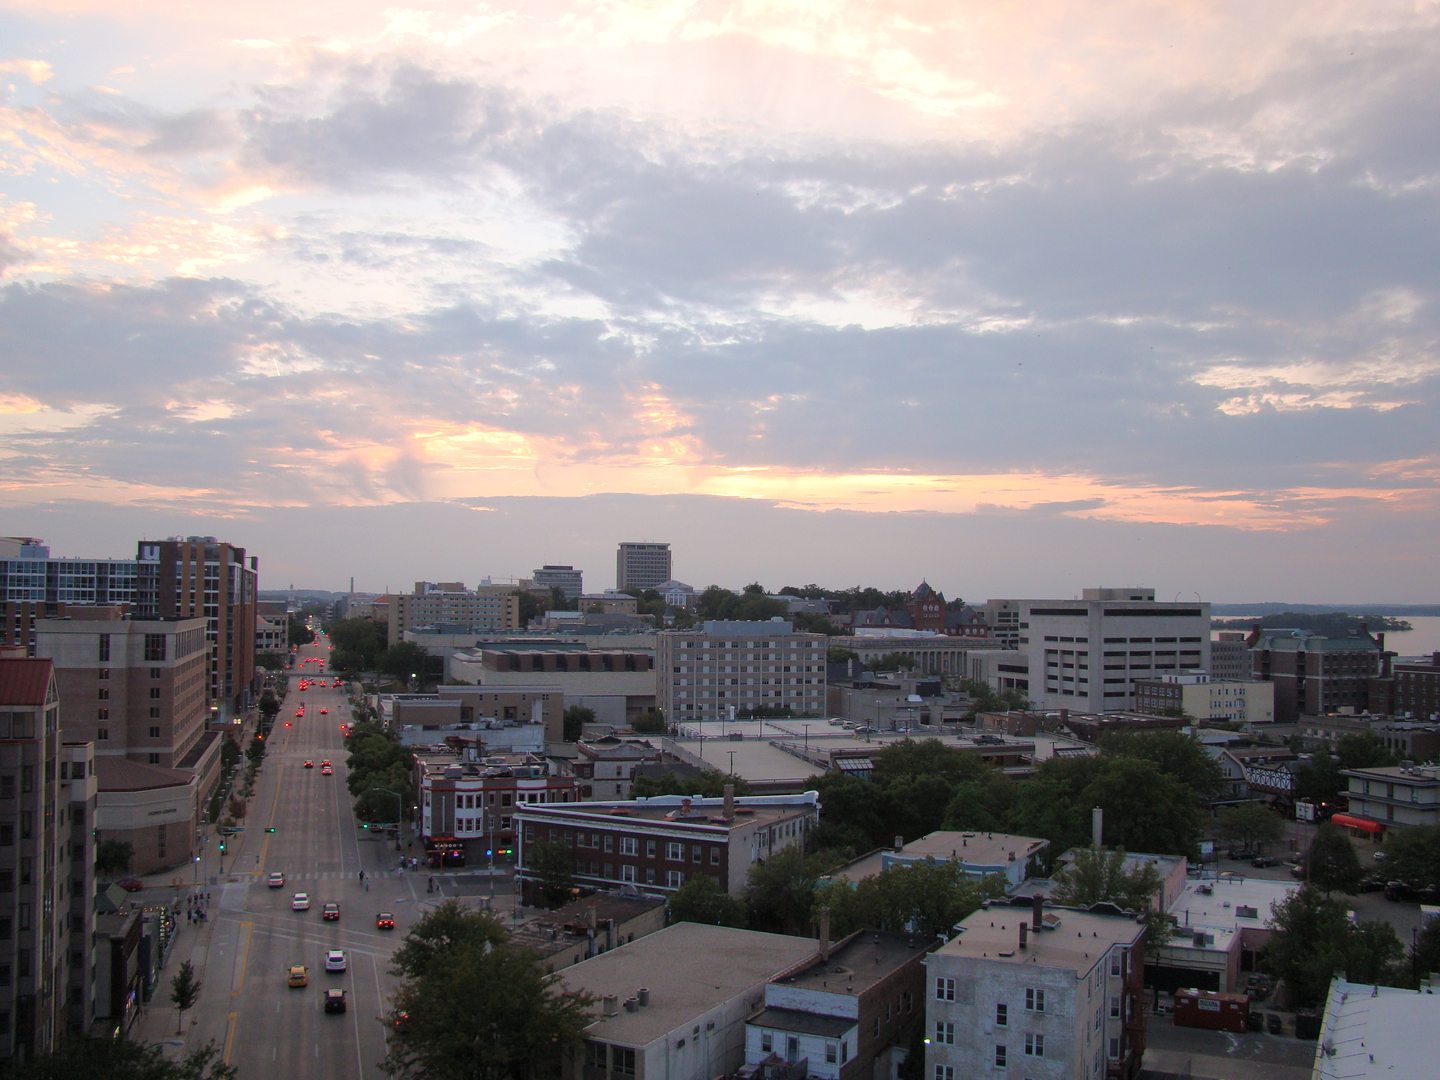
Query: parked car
1262, 862
1241, 853
130, 884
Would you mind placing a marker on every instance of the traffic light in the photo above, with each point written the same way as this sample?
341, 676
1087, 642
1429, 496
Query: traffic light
271, 829
222, 845
365, 824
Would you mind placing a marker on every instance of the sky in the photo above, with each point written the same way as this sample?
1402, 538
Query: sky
1019, 299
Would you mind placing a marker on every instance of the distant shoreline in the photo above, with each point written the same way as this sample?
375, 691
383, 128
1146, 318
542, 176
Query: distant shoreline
1271, 608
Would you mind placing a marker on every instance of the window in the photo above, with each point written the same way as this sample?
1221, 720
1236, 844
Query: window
154, 693
595, 1055
154, 732
715, 856
1034, 1045
697, 853
650, 848
944, 989
154, 647
649, 875
7, 834
1115, 963
622, 1060
103, 641
1002, 1014
1114, 1007
674, 879
944, 1033
675, 852
832, 1053
629, 846
627, 872
101, 734
1114, 1049
155, 760
767, 1042
27, 824
7, 786
1034, 1000
103, 694
25, 914
944, 1072
7, 881
1000, 1055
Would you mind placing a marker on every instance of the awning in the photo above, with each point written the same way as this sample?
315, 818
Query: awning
1347, 822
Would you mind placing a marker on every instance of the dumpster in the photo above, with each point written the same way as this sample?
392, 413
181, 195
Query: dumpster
1206, 1009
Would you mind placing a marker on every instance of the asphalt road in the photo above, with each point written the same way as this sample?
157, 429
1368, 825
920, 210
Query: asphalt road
252, 936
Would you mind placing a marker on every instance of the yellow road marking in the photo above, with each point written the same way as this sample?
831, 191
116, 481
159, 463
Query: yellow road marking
249, 929
230, 1037
274, 806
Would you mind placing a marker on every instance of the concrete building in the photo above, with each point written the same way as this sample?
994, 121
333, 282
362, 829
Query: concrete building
272, 630
1417, 686
1220, 928
452, 705
609, 602
1230, 656
979, 854
677, 594
1201, 697
79, 794
605, 768
934, 654
745, 665
1377, 1032
486, 608
835, 1016
698, 984
1003, 617
999, 669
468, 807
1315, 674
565, 578
642, 566
1049, 995
1390, 798
617, 684
585, 928
660, 843
36, 865
153, 809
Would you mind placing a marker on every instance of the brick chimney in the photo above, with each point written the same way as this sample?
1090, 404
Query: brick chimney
729, 801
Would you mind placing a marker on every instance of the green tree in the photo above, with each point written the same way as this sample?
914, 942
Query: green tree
910, 758
552, 864
1129, 790
650, 722
77, 1056
701, 900
184, 992
708, 783
269, 707
1330, 861
1363, 750
574, 720
403, 660
356, 645
1415, 855
1318, 780
529, 605
927, 897
837, 654
113, 857
1313, 939
981, 805
450, 925
299, 633
480, 1009
895, 661
1177, 754
1097, 875
1250, 824
779, 890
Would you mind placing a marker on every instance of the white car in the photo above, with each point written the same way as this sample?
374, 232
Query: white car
335, 960
301, 902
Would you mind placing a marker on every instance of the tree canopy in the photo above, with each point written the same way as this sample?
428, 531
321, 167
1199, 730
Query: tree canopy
1314, 938
701, 900
927, 897
1331, 862
1097, 875
76, 1056
1250, 824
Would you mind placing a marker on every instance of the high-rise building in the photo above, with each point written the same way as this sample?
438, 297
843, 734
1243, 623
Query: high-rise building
565, 578
751, 666
642, 566
35, 862
78, 792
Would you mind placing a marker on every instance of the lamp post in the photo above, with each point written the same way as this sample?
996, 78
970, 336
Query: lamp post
399, 813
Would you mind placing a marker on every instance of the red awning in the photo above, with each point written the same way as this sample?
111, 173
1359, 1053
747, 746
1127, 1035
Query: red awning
1347, 822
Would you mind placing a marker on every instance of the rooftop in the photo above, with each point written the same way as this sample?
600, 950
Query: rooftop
765, 809
860, 961
689, 969
1073, 939
971, 848
806, 1023
24, 682
1225, 904
559, 929
1375, 1031
1392, 773
114, 773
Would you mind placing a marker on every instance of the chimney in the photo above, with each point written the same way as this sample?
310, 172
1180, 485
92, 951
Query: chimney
729, 801
685, 807
609, 1005
824, 933
643, 995
1037, 907
1024, 934
590, 915
899, 843
1097, 827
632, 1005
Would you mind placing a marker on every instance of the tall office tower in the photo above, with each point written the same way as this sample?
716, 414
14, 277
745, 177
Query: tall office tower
200, 577
34, 862
564, 578
642, 566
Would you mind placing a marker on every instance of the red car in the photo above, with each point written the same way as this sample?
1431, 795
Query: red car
130, 884
309, 764
384, 921
324, 712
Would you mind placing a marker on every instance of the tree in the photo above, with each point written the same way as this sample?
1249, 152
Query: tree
236, 808
1251, 824
184, 992
927, 897
403, 659
269, 707
701, 900
476, 1007
1330, 861
256, 750
113, 857
1177, 754
1313, 939
450, 925
650, 722
356, 645
779, 890
981, 805
1098, 875
894, 661
835, 654
574, 721
1415, 855
118, 1059
1363, 750
1129, 790
1318, 780
552, 865
299, 633
529, 606
708, 783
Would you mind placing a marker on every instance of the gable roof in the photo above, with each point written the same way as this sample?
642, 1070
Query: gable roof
25, 682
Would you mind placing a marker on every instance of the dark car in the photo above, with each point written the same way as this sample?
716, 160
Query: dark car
1241, 853
330, 912
1261, 862
130, 884
334, 1000
385, 921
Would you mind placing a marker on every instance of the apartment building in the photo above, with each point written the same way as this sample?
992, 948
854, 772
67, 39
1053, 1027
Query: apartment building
1201, 697
1399, 797
605, 768
745, 665
1088, 654
79, 791
1042, 994
36, 869
610, 602
662, 842
1314, 673
642, 566
482, 609
467, 808
565, 578
1417, 686
272, 629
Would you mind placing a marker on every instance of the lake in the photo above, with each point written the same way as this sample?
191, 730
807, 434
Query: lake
1422, 641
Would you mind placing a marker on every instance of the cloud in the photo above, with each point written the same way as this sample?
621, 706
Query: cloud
37, 71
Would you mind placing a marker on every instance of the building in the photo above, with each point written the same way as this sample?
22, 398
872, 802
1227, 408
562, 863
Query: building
934, 654
478, 705
677, 594
749, 666
119, 972
1230, 656
577, 931
468, 807
79, 794
486, 608
1376, 1032
605, 768
1409, 740
642, 566
36, 865
1198, 696
565, 578
1417, 686
662, 842
1003, 618
1390, 798
1220, 928
979, 855
1313, 673
610, 602
617, 684
272, 630
152, 808
1172, 869
199, 577
1052, 994
836, 1032
673, 1004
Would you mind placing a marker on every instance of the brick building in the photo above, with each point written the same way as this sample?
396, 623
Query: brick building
1417, 687
661, 842
1200, 697
748, 665
1313, 673
468, 808
79, 793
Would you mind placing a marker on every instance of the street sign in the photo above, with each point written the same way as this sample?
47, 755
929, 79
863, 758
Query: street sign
232, 828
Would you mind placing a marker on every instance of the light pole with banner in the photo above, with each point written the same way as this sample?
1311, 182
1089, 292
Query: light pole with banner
399, 814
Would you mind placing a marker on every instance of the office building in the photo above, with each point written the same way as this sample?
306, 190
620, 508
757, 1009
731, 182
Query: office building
749, 666
565, 578
642, 566
1199, 697
1088, 654
35, 863
1026, 992
1230, 656
1314, 673
1397, 797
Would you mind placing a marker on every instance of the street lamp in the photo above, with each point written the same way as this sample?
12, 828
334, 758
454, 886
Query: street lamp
399, 813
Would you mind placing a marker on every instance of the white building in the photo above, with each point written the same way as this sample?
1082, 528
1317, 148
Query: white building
1202, 697
748, 665
1046, 997
1377, 1033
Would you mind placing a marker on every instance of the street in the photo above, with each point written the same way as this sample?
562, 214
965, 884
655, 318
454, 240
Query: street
252, 936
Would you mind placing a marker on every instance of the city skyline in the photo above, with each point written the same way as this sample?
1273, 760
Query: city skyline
1019, 304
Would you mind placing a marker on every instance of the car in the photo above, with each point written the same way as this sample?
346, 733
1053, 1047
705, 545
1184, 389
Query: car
299, 712
325, 761
301, 902
1297, 870
298, 975
326, 770
276, 880
1241, 853
308, 765
1382, 855
330, 912
334, 1000
335, 960
384, 921
1261, 862
324, 712
130, 884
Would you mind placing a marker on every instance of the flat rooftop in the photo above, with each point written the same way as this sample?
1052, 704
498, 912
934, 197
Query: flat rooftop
667, 808
557, 930
973, 848
1376, 1031
860, 961
1222, 904
689, 969
1077, 940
